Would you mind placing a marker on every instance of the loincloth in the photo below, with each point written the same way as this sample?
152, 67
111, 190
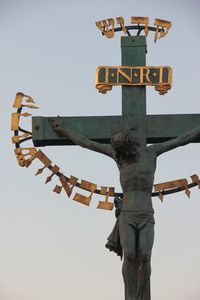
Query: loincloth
113, 243
138, 221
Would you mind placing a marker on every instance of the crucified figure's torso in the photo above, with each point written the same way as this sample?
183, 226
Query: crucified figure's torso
136, 180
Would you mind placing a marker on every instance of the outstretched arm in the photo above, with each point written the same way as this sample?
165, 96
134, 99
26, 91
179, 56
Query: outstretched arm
79, 139
182, 140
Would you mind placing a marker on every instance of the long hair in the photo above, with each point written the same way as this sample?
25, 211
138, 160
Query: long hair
125, 146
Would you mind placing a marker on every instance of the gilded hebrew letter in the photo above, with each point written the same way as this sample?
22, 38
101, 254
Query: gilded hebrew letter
163, 26
120, 21
19, 98
18, 138
141, 21
195, 179
22, 153
44, 159
107, 191
106, 27
15, 126
57, 189
68, 184
55, 169
161, 196
172, 184
15, 121
87, 186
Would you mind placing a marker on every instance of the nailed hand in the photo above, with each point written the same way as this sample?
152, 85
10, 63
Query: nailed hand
56, 125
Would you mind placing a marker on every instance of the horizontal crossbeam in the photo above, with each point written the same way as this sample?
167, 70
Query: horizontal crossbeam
156, 128
160, 128
97, 128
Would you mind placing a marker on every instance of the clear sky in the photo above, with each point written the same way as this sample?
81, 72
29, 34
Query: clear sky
52, 247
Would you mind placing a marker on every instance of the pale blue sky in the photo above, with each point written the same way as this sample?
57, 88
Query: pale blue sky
51, 247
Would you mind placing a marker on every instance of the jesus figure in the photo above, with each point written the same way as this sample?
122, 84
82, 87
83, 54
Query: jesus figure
136, 164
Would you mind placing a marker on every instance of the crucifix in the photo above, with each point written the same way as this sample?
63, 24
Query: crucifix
133, 140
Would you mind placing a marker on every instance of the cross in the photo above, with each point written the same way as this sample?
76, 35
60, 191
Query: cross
148, 129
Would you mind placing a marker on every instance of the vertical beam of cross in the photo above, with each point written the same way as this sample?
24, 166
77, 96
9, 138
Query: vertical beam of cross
134, 98
134, 105
133, 54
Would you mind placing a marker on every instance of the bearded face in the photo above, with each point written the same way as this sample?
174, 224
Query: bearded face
125, 146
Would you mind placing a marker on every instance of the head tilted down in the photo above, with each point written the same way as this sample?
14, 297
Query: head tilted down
126, 146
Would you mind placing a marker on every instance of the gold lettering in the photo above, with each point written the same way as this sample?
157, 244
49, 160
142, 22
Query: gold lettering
30, 106
88, 185
160, 75
143, 21
43, 158
123, 74
57, 189
195, 179
18, 138
82, 199
120, 21
106, 27
18, 100
68, 184
144, 75
85, 199
107, 191
22, 153
169, 185
39, 171
163, 26
173, 184
161, 196
106, 74
55, 169
99, 25
133, 76
15, 121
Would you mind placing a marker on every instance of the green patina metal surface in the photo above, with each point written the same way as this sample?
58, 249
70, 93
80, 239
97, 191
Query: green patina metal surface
133, 54
157, 128
150, 128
